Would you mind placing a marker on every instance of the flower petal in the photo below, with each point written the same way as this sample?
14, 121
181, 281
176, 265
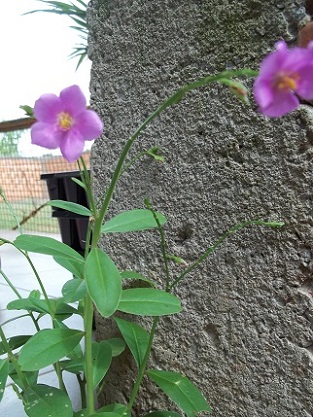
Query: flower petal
89, 125
305, 86
47, 107
73, 100
263, 92
282, 104
72, 145
45, 135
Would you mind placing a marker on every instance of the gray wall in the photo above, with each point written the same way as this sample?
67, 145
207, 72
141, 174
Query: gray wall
244, 336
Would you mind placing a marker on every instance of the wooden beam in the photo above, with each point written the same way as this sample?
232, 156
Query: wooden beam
18, 124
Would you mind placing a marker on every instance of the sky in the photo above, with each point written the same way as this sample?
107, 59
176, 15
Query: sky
34, 59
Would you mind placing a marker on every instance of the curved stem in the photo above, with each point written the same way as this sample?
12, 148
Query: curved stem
143, 365
173, 99
88, 308
212, 248
13, 360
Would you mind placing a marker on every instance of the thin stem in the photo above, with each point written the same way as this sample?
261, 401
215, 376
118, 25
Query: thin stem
143, 366
12, 211
13, 359
10, 284
175, 98
163, 245
81, 383
212, 248
88, 318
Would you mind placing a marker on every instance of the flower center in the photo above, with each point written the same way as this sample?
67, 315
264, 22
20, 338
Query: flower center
65, 121
287, 82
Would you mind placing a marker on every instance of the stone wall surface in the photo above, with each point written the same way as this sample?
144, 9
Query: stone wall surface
244, 336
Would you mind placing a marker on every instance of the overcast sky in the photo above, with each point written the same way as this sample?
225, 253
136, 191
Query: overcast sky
34, 56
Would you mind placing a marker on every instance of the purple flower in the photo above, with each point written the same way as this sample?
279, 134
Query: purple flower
64, 122
285, 75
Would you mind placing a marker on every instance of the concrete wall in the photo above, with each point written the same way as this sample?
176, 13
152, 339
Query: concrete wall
244, 336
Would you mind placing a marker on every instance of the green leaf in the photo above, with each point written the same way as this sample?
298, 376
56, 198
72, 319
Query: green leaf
163, 413
103, 282
180, 390
136, 338
42, 400
4, 373
131, 221
46, 246
76, 267
30, 377
117, 408
110, 410
75, 366
117, 346
29, 304
74, 290
47, 347
29, 111
72, 207
14, 342
148, 302
102, 358
134, 275
77, 352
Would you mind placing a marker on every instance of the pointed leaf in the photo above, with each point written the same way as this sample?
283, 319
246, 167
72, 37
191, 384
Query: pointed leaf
131, 221
136, 338
76, 267
4, 373
103, 282
117, 346
135, 275
102, 358
180, 390
46, 246
75, 366
47, 347
72, 207
110, 410
29, 304
14, 342
30, 377
42, 400
148, 302
74, 290
163, 414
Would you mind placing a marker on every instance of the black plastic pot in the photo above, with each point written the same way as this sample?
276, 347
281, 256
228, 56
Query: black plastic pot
73, 227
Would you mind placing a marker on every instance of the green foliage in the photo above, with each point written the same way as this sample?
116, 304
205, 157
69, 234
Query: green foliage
136, 338
132, 221
181, 391
4, 373
9, 143
77, 12
46, 347
103, 281
42, 400
148, 302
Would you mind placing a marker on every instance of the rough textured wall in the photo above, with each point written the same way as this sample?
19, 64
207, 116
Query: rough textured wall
244, 336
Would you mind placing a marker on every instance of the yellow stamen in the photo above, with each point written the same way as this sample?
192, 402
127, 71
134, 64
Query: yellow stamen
65, 121
287, 82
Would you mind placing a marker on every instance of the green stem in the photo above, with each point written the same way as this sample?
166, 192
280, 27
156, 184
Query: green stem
175, 98
88, 317
81, 384
163, 246
13, 360
143, 366
212, 248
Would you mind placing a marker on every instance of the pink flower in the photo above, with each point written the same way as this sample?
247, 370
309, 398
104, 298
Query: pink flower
64, 122
285, 75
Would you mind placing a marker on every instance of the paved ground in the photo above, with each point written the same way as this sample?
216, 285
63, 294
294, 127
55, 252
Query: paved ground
19, 272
